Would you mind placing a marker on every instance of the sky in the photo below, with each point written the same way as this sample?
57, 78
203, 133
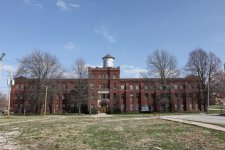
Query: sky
129, 30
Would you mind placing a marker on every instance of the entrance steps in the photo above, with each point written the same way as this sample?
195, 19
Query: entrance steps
101, 115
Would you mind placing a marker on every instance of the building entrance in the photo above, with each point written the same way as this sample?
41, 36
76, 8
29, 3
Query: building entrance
164, 104
103, 106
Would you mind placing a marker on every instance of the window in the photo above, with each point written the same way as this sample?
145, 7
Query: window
122, 107
114, 96
100, 86
168, 87
103, 96
175, 86
57, 96
190, 106
21, 97
131, 87
91, 86
123, 96
114, 76
161, 87
57, 107
153, 96
114, 86
92, 76
131, 98
146, 95
176, 96
92, 96
137, 87
137, 107
17, 87
138, 96
99, 96
175, 106
146, 87
181, 87
196, 106
152, 87
122, 87
131, 107
104, 86
182, 107
64, 86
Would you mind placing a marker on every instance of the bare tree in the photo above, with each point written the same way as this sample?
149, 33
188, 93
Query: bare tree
42, 69
79, 69
217, 86
162, 64
213, 72
79, 95
205, 66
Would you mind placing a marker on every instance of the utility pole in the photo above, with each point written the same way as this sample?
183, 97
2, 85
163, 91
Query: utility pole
208, 96
89, 96
46, 93
10, 83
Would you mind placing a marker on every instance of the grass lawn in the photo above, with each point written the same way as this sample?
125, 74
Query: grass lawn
116, 132
215, 107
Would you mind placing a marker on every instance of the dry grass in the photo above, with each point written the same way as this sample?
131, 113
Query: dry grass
72, 132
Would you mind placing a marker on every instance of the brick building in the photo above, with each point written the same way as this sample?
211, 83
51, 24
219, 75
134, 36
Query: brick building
109, 92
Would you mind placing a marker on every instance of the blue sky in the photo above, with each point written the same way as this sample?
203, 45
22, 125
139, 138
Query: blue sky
127, 29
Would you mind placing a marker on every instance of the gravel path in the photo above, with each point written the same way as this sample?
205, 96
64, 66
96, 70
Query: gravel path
202, 120
207, 118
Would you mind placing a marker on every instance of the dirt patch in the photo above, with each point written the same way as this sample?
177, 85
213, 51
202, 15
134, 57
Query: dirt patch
7, 142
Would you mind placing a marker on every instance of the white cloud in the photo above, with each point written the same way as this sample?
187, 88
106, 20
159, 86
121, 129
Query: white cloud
32, 3
69, 46
62, 5
105, 33
27, 1
68, 74
131, 71
65, 6
38, 5
94, 66
74, 5
8, 68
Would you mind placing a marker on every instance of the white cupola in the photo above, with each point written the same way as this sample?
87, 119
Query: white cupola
108, 61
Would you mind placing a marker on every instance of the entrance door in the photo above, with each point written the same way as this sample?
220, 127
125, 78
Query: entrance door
103, 107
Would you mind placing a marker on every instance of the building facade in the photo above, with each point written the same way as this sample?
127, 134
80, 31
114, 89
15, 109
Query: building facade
110, 93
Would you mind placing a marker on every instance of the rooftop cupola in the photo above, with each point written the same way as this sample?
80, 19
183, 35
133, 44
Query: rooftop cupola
108, 61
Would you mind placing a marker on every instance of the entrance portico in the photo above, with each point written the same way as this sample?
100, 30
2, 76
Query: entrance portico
103, 106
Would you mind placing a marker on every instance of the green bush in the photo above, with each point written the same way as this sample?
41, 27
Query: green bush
94, 111
116, 110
